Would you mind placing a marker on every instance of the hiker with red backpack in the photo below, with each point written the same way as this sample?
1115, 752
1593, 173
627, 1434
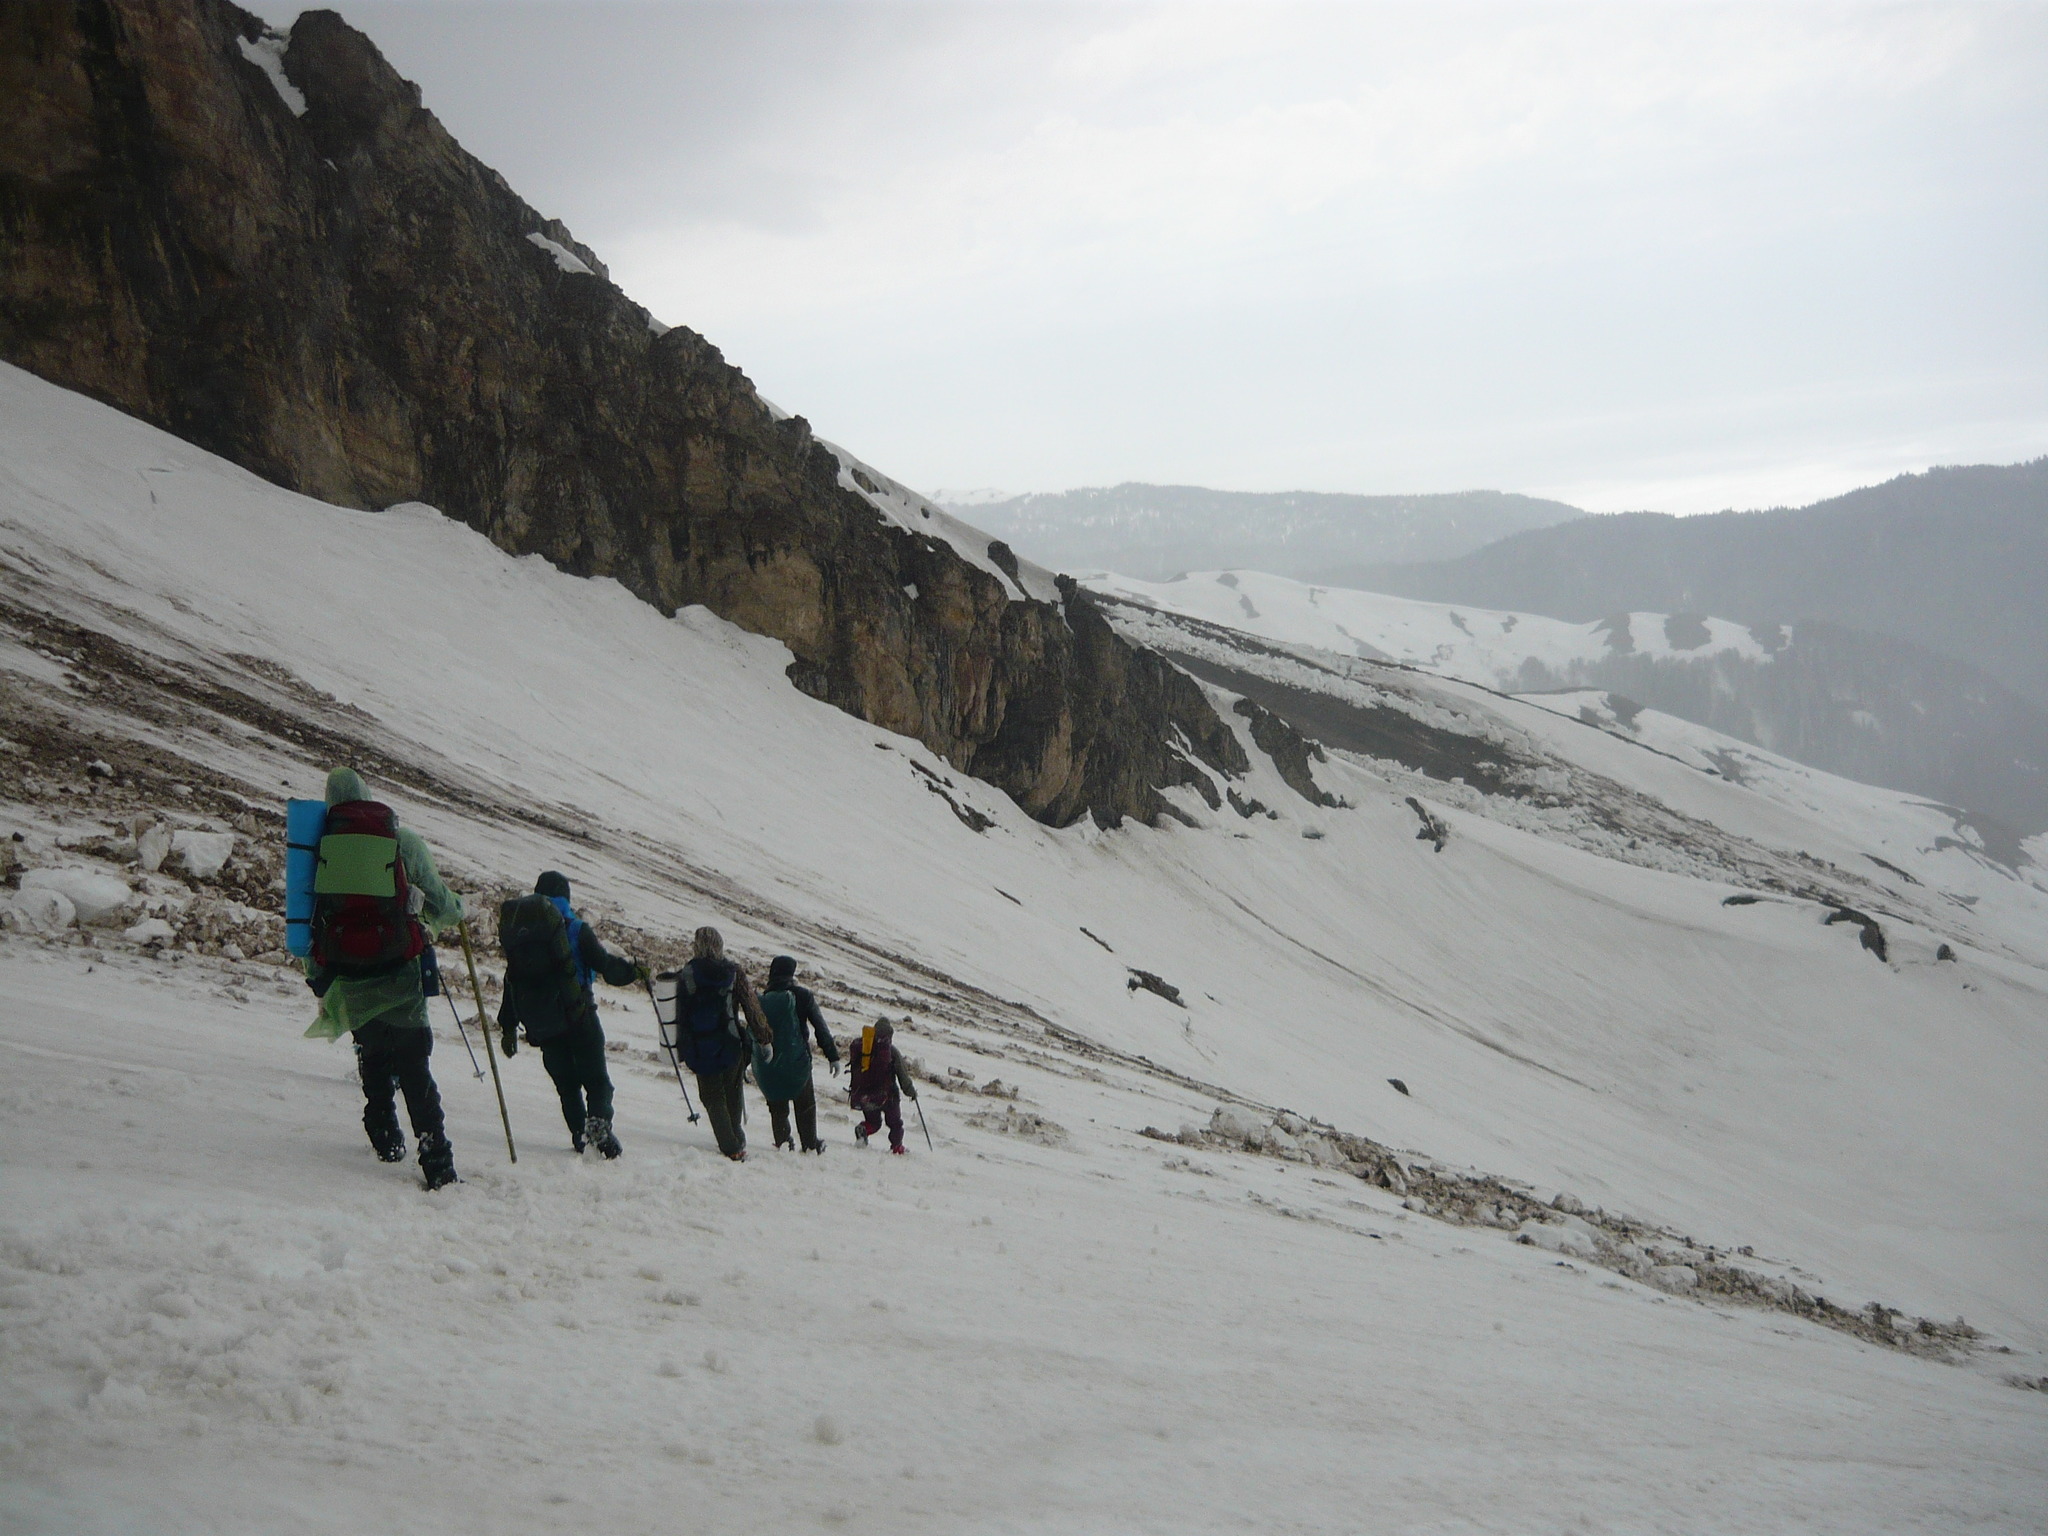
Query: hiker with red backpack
551, 957
880, 1084
713, 997
378, 903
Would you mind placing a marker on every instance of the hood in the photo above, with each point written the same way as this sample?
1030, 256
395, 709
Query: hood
345, 785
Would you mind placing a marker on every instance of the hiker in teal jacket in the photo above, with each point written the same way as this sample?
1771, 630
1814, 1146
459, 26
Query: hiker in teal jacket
784, 1076
387, 1015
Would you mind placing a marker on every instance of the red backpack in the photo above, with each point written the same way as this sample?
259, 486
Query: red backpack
362, 902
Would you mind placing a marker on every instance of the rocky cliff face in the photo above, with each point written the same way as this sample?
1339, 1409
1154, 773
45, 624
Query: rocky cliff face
268, 247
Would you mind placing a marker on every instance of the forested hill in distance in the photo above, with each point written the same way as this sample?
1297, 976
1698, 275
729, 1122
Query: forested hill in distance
1954, 561
1155, 532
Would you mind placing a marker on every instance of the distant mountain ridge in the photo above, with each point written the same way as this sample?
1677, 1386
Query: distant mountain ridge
1954, 561
1155, 532
1862, 705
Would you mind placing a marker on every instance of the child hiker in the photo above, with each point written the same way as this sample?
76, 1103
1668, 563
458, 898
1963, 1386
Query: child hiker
880, 1084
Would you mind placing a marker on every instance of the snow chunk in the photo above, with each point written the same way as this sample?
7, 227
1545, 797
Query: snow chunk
203, 853
1564, 1240
94, 897
1233, 1123
267, 54
151, 930
41, 908
1676, 1278
153, 847
565, 258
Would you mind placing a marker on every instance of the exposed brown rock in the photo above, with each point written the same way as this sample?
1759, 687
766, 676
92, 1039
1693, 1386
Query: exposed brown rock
347, 303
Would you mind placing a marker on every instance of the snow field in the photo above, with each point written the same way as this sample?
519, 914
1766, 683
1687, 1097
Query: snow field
1477, 645
1743, 1073
224, 1311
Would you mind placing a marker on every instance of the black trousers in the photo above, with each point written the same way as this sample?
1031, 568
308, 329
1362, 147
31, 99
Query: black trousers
575, 1061
725, 1106
392, 1058
806, 1106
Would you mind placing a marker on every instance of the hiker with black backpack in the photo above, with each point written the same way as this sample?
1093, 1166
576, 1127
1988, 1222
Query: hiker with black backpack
378, 901
713, 996
783, 1074
551, 956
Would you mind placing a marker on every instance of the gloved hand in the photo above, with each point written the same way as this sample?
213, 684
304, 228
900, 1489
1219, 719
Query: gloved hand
910, 1092
511, 1041
835, 1066
640, 972
767, 1052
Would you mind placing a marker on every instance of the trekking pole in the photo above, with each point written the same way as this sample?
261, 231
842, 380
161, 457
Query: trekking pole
694, 1117
465, 1035
918, 1104
469, 959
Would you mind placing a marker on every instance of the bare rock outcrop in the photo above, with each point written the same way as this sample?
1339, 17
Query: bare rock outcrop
270, 248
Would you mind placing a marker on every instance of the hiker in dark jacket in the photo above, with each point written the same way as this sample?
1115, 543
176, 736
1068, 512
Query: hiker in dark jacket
784, 1075
714, 1000
561, 1016
880, 1082
385, 1011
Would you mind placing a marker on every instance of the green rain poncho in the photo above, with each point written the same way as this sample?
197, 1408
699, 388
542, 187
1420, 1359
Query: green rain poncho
396, 999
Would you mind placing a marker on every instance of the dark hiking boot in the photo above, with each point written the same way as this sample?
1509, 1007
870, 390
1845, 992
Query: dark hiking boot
437, 1161
739, 1156
597, 1131
898, 1151
389, 1142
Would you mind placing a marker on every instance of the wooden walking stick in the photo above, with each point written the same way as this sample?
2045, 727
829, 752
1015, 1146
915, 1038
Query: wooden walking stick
469, 958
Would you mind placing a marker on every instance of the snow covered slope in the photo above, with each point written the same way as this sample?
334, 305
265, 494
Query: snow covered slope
1853, 703
1477, 645
1058, 1322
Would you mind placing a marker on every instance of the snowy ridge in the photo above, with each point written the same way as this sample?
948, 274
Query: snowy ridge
1058, 1321
907, 509
1477, 645
979, 497
568, 261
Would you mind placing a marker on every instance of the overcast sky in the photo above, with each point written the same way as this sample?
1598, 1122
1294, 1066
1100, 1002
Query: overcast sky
1638, 255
